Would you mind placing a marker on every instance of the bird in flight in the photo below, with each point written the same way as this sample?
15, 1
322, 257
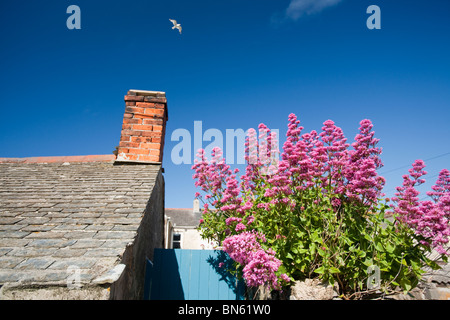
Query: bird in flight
176, 25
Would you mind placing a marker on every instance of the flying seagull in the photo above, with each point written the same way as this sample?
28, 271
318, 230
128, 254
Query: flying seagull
175, 25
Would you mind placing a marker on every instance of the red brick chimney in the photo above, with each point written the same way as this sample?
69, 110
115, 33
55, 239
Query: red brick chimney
144, 127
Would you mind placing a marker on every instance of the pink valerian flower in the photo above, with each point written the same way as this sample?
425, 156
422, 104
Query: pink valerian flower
407, 196
336, 149
441, 187
250, 219
336, 202
427, 218
362, 165
240, 227
230, 220
260, 266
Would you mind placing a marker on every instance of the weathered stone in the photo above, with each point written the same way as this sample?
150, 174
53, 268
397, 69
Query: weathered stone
103, 252
111, 276
84, 263
35, 263
87, 243
312, 289
35, 220
36, 228
31, 252
46, 235
62, 216
4, 220
51, 243
79, 234
9, 262
115, 235
437, 293
68, 252
13, 234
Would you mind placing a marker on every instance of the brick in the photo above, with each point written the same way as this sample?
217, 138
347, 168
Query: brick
156, 139
150, 146
154, 111
157, 128
138, 151
141, 139
128, 115
160, 105
155, 99
154, 152
157, 121
142, 127
125, 138
130, 133
150, 134
132, 156
126, 126
149, 158
133, 98
132, 121
134, 110
146, 116
130, 103
129, 144
145, 104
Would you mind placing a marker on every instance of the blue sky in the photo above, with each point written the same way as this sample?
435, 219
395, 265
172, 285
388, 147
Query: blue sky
237, 63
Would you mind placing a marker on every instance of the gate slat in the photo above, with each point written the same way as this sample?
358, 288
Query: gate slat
180, 274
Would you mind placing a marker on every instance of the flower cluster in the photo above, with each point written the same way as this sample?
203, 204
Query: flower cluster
260, 266
318, 183
429, 219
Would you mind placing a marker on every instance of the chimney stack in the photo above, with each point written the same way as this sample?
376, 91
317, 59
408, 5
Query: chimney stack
196, 207
144, 127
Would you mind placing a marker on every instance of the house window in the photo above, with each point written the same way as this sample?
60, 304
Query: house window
176, 241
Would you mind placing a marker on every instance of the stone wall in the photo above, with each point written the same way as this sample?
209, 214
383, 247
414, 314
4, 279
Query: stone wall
150, 235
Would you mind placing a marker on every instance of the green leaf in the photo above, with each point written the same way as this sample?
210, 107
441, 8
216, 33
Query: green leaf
334, 270
320, 270
321, 252
406, 285
433, 265
368, 262
360, 253
289, 256
379, 246
312, 248
389, 248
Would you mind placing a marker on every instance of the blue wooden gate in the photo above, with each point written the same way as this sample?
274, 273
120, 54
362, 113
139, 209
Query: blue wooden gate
180, 274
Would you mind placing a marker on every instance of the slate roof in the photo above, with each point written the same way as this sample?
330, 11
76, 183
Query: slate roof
183, 217
59, 214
